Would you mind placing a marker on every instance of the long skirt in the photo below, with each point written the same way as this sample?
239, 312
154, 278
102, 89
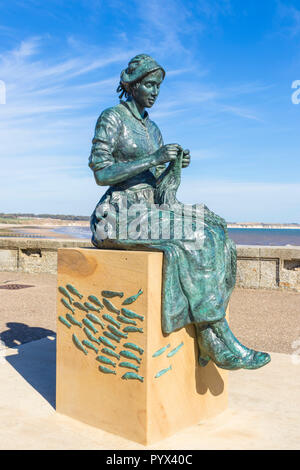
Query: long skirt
199, 268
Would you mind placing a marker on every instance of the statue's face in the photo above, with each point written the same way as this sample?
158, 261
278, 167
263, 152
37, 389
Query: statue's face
147, 91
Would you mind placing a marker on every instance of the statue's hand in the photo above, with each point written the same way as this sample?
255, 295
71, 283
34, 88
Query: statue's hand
186, 158
167, 153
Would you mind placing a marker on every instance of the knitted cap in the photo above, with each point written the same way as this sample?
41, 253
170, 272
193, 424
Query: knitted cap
140, 66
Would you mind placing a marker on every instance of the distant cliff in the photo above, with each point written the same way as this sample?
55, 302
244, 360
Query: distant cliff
262, 225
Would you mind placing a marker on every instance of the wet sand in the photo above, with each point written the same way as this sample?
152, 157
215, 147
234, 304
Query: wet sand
44, 231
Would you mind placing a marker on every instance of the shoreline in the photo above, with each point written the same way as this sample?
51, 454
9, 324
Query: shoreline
269, 227
48, 223
49, 230
38, 231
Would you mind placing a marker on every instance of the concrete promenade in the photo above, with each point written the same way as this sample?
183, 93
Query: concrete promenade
263, 413
264, 406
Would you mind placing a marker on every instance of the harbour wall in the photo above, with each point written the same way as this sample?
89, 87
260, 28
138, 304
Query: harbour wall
258, 267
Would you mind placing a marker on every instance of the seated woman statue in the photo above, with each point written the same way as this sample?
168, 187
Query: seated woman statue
199, 269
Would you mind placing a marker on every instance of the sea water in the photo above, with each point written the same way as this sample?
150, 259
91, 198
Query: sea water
241, 236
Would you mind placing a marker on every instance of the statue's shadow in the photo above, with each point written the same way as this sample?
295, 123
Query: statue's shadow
35, 360
207, 378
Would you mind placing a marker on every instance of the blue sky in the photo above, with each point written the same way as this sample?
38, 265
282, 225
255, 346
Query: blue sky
227, 97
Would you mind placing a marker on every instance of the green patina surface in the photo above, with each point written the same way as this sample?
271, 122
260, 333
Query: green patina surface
133, 329
90, 306
110, 294
73, 290
162, 372
106, 360
129, 365
90, 325
175, 350
110, 335
78, 344
95, 319
111, 320
80, 306
90, 335
134, 346
106, 342
90, 345
95, 300
133, 298
106, 370
130, 355
126, 320
73, 320
130, 314
116, 332
64, 321
160, 351
64, 292
132, 376
199, 271
110, 353
67, 305
110, 306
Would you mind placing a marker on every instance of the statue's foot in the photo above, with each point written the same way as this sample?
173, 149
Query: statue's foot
256, 360
212, 348
251, 359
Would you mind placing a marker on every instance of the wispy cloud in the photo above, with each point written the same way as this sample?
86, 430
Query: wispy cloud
37, 87
174, 26
52, 106
289, 18
240, 111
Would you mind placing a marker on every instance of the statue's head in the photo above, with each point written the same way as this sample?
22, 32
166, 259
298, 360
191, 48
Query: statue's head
141, 80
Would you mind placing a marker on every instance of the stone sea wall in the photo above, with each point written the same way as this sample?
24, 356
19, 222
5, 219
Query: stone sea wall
259, 267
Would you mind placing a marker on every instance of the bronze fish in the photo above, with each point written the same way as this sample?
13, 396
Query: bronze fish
109, 294
78, 344
95, 319
90, 306
96, 301
90, 325
130, 314
73, 290
133, 298
90, 345
64, 321
132, 375
66, 304
73, 320
110, 306
80, 306
64, 292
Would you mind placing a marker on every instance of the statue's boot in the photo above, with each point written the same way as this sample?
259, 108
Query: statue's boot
213, 348
251, 359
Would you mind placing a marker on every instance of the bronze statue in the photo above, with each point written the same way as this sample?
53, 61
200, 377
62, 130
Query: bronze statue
129, 156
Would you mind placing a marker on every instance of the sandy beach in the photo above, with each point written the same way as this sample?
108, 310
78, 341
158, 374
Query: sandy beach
44, 228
